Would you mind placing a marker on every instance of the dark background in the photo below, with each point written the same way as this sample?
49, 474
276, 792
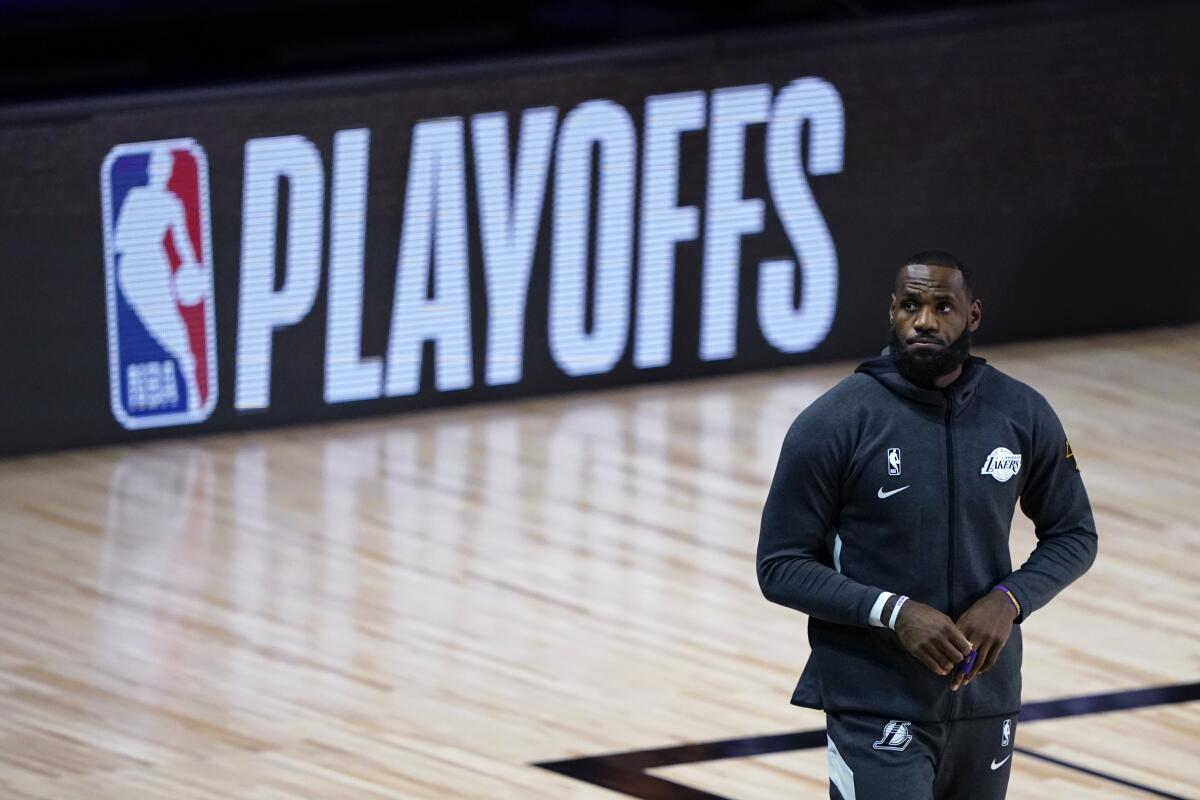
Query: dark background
73, 47
1056, 152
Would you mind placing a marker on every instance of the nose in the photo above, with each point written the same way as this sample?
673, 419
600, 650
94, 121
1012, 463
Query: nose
926, 320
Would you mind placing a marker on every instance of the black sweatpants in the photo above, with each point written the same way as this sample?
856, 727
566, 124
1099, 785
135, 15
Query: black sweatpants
876, 758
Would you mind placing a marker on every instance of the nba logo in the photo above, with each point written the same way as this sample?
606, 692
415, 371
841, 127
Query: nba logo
893, 461
159, 285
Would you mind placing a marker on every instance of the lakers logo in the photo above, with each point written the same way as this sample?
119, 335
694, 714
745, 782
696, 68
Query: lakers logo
1001, 464
896, 736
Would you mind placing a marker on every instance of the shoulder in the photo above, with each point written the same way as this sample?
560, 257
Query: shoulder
836, 413
843, 399
852, 387
1014, 396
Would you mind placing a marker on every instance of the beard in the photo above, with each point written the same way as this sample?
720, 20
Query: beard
922, 368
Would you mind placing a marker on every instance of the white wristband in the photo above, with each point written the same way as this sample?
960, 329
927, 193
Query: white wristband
877, 609
896, 611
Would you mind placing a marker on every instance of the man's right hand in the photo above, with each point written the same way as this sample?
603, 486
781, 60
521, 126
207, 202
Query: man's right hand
931, 637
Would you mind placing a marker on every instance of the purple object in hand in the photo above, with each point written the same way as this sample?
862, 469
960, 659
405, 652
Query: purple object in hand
969, 662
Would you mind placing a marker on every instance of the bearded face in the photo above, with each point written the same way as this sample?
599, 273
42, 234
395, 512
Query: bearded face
923, 361
932, 317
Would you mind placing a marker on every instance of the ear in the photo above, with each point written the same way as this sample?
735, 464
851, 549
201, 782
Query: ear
975, 316
892, 308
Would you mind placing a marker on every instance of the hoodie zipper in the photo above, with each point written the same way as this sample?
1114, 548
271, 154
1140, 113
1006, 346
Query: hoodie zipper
950, 525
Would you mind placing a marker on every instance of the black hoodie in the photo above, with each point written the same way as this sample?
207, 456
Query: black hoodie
883, 486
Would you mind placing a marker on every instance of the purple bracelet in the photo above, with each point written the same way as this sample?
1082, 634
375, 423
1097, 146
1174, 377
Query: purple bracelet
1000, 587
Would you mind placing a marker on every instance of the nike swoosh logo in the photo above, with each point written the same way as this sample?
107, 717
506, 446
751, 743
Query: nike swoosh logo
996, 766
883, 495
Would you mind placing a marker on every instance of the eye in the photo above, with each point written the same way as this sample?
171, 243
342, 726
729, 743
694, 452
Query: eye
945, 308
910, 306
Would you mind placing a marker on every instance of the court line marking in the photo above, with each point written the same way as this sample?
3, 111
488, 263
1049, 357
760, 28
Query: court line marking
625, 772
1098, 774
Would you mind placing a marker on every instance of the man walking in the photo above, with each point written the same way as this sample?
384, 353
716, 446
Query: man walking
888, 522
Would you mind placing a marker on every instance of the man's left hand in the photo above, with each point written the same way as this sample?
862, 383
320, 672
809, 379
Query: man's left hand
988, 624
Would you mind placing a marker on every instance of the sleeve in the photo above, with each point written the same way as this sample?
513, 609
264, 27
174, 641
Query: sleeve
800, 512
1054, 498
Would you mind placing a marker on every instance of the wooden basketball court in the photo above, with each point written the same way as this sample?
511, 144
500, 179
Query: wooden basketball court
431, 605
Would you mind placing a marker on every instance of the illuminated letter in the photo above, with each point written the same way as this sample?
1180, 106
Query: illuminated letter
576, 349
663, 223
509, 212
729, 216
435, 223
348, 376
261, 309
788, 328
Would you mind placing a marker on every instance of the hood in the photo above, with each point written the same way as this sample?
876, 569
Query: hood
883, 369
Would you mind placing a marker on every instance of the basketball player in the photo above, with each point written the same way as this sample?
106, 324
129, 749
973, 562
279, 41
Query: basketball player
887, 524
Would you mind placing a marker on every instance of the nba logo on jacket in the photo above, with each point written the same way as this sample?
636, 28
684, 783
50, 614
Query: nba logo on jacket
159, 284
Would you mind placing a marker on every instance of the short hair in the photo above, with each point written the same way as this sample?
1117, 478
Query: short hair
940, 258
